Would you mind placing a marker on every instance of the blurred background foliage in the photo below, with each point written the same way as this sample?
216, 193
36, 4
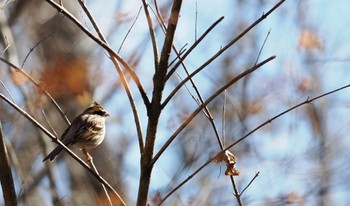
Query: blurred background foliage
302, 157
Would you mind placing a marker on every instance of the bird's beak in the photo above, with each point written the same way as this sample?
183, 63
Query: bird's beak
106, 115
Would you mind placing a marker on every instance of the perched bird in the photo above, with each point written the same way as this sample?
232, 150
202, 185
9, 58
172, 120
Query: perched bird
86, 131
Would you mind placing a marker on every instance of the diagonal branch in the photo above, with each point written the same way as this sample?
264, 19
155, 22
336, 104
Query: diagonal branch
307, 101
211, 98
56, 140
173, 69
122, 76
38, 86
206, 110
233, 41
104, 45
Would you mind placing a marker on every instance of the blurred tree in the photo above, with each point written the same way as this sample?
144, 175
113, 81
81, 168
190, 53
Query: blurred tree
301, 157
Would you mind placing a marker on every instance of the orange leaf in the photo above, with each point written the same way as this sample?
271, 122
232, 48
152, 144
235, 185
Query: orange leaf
308, 40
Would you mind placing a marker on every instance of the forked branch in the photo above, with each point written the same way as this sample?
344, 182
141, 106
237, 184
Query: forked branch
233, 41
123, 78
307, 101
211, 98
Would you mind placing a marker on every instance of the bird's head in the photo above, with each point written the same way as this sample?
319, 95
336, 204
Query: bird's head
96, 108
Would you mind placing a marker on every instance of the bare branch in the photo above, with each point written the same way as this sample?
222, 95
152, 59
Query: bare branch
7, 184
152, 34
38, 86
37, 44
132, 25
211, 98
8, 91
172, 70
233, 41
262, 47
91, 162
123, 78
56, 140
307, 101
251, 181
103, 45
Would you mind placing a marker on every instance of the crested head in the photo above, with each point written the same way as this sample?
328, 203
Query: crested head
96, 108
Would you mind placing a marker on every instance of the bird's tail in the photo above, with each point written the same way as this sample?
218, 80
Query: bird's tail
54, 153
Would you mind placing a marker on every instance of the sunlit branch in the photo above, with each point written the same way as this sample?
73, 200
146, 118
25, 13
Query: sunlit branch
233, 41
152, 34
56, 140
211, 98
123, 78
173, 69
104, 45
31, 79
307, 101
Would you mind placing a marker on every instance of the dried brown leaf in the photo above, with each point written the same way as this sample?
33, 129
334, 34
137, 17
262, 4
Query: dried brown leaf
230, 161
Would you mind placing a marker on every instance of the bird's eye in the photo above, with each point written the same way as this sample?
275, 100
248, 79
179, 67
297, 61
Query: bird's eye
100, 112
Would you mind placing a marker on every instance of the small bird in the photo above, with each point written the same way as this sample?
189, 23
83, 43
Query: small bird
86, 131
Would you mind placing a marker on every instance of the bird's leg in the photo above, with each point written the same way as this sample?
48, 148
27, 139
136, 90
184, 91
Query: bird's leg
88, 156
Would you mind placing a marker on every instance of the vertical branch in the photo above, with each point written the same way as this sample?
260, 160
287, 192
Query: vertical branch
152, 33
6, 178
155, 108
123, 78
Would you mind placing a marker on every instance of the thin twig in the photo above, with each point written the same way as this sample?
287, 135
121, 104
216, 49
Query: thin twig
224, 118
211, 98
152, 34
37, 44
195, 44
233, 41
122, 76
6, 47
104, 45
307, 101
91, 162
200, 101
195, 23
48, 122
56, 140
129, 30
38, 86
236, 192
178, 55
251, 181
207, 113
262, 47
8, 91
